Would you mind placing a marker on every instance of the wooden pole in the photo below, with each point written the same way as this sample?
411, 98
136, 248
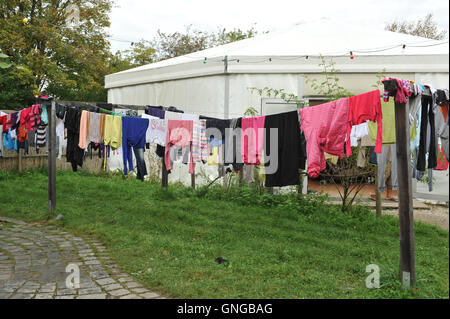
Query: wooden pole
52, 159
193, 180
377, 196
20, 160
407, 258
165, 175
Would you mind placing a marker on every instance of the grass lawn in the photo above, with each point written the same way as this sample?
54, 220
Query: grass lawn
169, 240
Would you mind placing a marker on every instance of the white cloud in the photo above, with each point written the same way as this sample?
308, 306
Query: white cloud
133, 20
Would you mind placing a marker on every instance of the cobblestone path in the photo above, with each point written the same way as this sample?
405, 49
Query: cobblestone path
33, 261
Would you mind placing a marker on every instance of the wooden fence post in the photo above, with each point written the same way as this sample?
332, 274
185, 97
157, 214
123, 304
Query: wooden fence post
405, 211
52, 158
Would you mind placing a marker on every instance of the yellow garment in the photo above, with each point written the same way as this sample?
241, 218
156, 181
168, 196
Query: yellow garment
413, 132
213, 157
388, 109
113, 131
333, 158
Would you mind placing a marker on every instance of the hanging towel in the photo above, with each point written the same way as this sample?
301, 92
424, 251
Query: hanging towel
94, 128
84, 130
252, 138
365, 107
200, 145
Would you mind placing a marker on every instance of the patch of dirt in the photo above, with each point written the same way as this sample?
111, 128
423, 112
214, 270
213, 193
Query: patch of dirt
437, 215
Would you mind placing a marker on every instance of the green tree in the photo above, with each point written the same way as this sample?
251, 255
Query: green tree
426, 28
61, 42
170, 45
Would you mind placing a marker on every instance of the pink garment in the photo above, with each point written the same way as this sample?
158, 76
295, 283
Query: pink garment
252, 139
179, 134
84, 130
325, 128
31, 117
365, 107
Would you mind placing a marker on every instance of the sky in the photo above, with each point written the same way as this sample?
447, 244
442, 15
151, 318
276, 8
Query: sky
133, 20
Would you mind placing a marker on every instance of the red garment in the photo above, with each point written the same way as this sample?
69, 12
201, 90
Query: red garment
7, 125
3, 122
444, 111
252, 139
442, 163
22, 135
325, 128
365, 107
179, 134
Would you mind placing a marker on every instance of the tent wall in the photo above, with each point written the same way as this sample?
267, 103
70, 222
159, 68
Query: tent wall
202, 95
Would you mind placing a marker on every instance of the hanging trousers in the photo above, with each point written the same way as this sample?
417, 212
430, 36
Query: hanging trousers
382, 160
427, 117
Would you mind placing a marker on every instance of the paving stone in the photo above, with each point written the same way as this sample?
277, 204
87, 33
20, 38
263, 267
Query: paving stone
93, 296
133, 284
106, 281
34, 258
125, 279
118, 293
22, 296
130, 297
139, 290
88, 291
43, 296
150, 295
112, 287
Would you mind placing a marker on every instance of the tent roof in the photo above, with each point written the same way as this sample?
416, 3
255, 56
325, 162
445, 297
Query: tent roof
290, 46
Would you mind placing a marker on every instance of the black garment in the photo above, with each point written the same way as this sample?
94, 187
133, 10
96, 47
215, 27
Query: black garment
60, 111
291, 148
74, 154
441, 98
218, 124
427, 116
373, 156
233, 148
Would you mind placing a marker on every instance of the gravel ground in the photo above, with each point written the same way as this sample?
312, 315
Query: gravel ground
437, 215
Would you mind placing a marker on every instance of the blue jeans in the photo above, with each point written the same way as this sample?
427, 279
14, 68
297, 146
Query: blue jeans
140, 163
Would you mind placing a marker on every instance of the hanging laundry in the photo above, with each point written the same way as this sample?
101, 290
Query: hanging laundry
84, 130
388, 123
41, 134
74, 154
385, 158
427, 117
233, 135
156, 112
157, 130
94, 128
200, 145
179, 134
289, 147
365, 107
358, 131
113, 131
133, 135
442, 163
252, 139
325, 129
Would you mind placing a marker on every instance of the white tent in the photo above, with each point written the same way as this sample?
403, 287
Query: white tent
215, 82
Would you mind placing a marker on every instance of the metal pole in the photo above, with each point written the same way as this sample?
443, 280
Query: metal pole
406, 218
52, 159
